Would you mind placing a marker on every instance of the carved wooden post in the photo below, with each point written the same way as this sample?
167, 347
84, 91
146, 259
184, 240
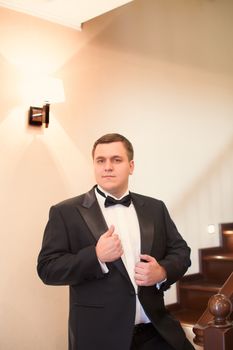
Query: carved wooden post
219, 333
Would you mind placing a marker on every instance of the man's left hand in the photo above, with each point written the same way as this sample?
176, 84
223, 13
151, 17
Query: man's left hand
148, 272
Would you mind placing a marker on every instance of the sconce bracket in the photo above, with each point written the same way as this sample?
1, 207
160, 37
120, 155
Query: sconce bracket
36, 116
39, 115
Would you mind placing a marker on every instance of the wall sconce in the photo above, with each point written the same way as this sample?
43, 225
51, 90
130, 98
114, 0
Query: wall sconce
49, 90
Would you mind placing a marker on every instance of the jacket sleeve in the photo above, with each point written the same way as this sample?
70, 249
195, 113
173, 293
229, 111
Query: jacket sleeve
57, 263
176, 259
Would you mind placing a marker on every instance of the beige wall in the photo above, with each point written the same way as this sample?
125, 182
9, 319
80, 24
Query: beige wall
160, 72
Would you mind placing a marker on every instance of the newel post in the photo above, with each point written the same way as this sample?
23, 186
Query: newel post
218, 335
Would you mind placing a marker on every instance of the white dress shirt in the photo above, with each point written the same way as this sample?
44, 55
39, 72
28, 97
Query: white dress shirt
126, 226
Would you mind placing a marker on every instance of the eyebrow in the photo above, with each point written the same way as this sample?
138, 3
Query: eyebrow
112, 157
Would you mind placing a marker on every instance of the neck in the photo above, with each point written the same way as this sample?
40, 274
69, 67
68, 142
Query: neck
115, 194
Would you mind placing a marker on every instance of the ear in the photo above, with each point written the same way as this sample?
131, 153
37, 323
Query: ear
131, 167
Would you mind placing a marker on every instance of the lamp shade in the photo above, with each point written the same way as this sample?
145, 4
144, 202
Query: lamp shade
43, 89
51, 90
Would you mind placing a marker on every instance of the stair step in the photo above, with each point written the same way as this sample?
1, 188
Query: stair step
227, 236
200, 285
187, 316
195, 295
217, 267
219, 257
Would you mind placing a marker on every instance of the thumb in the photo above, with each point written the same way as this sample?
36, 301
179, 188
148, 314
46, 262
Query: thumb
146, 258
110, 231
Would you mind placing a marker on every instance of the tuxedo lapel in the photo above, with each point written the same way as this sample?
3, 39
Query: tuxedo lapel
92, 214
145, 223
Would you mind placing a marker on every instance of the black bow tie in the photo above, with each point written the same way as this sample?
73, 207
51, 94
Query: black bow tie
109, 201
112, 201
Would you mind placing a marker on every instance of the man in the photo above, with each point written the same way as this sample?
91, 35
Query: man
117, 258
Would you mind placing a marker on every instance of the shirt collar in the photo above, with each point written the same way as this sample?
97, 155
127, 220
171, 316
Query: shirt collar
109, 194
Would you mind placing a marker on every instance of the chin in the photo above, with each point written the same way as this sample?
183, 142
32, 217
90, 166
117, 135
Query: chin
108, 188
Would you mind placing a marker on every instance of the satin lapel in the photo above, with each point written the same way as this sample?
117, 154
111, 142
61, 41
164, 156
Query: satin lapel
146, 224
92, 215
94, 219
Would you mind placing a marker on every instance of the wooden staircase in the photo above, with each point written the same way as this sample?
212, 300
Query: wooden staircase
194, 291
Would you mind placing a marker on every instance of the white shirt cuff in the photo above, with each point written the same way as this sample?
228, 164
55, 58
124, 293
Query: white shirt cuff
103, 267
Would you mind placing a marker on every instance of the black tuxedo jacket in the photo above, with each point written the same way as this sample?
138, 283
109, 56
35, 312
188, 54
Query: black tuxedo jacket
102, 306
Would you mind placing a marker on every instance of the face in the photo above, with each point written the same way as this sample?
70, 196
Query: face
112, 167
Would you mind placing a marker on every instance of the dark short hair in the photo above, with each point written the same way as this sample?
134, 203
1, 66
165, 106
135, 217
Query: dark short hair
113, 137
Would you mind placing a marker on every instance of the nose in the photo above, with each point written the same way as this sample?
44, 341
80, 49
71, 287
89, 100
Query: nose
108, 165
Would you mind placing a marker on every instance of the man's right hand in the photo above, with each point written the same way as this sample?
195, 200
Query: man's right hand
108, 247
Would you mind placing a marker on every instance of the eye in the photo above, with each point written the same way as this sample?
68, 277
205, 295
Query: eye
99, 161
117, 160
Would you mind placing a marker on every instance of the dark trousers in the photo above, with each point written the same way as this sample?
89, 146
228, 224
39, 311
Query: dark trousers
146, 337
